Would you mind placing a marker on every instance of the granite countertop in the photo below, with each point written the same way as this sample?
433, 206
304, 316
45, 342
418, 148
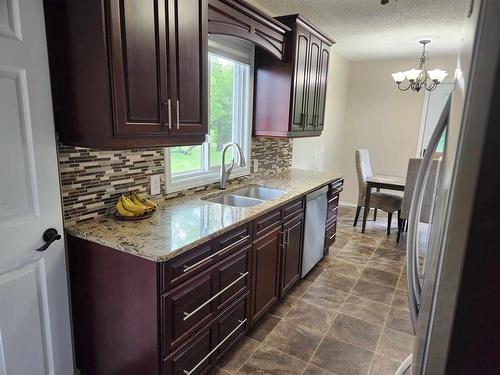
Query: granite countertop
180, 224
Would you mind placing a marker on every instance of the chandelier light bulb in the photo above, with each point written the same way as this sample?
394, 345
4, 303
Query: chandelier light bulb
413, 74
398, 77
437, 75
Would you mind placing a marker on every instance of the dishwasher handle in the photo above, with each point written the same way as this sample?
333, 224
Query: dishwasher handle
317, 193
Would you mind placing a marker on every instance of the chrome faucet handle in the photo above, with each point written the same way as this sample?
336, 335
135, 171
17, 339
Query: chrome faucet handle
230, 169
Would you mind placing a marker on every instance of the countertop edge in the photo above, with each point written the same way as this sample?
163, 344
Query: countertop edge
73, 231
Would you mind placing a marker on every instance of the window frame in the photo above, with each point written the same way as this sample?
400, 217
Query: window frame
243, 52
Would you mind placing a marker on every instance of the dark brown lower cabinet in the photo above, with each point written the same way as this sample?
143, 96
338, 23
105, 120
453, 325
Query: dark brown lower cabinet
203, 350
135, 316
266, 266
189, 306
291, 258
331, 216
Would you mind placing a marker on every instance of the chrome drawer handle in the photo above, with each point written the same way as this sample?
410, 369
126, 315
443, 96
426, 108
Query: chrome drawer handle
189, 315
242, 322
332, 236
188, 268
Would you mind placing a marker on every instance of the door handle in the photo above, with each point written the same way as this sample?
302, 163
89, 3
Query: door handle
412, 271
169, 109
177, 110
49, 236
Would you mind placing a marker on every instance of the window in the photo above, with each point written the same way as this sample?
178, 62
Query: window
230, 64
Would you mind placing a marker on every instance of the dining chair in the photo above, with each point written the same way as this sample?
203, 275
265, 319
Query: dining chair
389, 203
428, 198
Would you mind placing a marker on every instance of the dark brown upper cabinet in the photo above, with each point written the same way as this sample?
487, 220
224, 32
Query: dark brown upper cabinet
290, 95
240, 19
129, 73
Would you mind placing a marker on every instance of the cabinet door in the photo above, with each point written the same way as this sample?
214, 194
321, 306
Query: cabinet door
292, 253
137, 58
321, 92
188, 56
299, 92
312, 82
266, 264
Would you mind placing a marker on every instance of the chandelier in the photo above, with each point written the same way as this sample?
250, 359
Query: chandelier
421, 77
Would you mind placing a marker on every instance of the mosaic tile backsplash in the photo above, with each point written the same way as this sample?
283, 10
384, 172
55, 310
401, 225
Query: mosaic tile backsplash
92, 180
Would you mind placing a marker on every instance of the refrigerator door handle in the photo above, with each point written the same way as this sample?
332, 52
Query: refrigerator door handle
405, 366
412, 271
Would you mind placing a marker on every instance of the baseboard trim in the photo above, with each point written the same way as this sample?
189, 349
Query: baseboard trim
348, 204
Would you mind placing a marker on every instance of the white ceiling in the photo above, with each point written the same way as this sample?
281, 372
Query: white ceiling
365, 29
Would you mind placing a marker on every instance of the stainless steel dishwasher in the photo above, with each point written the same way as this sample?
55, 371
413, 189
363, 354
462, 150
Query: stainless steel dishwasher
314, 232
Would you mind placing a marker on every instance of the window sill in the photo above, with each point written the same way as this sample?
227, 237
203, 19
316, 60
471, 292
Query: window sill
199, 180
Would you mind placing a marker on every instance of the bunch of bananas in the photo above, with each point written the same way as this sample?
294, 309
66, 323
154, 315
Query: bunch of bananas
134, 206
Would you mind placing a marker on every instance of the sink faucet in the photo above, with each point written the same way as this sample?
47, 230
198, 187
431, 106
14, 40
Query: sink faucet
224, 174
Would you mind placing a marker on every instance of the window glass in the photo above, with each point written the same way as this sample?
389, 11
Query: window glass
185, 159
230, 92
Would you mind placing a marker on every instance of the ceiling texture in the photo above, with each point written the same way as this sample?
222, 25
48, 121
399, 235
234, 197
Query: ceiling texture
365, 29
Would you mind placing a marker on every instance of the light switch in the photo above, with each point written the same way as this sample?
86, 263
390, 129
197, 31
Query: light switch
155, 184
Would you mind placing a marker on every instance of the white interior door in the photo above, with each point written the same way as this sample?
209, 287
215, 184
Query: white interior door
35, 334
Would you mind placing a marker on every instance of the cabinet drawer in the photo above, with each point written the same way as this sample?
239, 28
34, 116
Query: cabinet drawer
200, 353
235, 239
266, 223
231, 326
188, 298
232, 277
333, 201
336, 187
192, 304
293, 208
194, 355
331, 215
330, 234
186, 265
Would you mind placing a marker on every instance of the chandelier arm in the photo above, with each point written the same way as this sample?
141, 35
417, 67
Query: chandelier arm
403, 89
432, 87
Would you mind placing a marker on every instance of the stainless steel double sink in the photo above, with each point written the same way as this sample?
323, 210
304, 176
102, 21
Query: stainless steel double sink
247, 197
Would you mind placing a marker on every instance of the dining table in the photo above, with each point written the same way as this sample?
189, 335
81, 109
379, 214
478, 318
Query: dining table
380, 181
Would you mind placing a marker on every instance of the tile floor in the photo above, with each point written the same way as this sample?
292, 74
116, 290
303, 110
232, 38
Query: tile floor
348, 316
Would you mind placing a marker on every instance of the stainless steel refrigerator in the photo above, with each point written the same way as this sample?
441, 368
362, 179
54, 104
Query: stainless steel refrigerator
434, 272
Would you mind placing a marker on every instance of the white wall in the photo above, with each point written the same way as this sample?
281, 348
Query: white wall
381, 119
366, 110
328, 146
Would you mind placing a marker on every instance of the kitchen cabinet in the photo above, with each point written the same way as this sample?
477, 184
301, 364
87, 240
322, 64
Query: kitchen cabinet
277, 256
291, 257
185, 313
290, 96
129, 73
266, 270
331, 216
238, 18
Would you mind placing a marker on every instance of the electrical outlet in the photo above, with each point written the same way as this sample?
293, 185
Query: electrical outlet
255, 165
155, 184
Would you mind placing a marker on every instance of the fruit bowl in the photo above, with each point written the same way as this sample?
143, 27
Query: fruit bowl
140, 217
134, 208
